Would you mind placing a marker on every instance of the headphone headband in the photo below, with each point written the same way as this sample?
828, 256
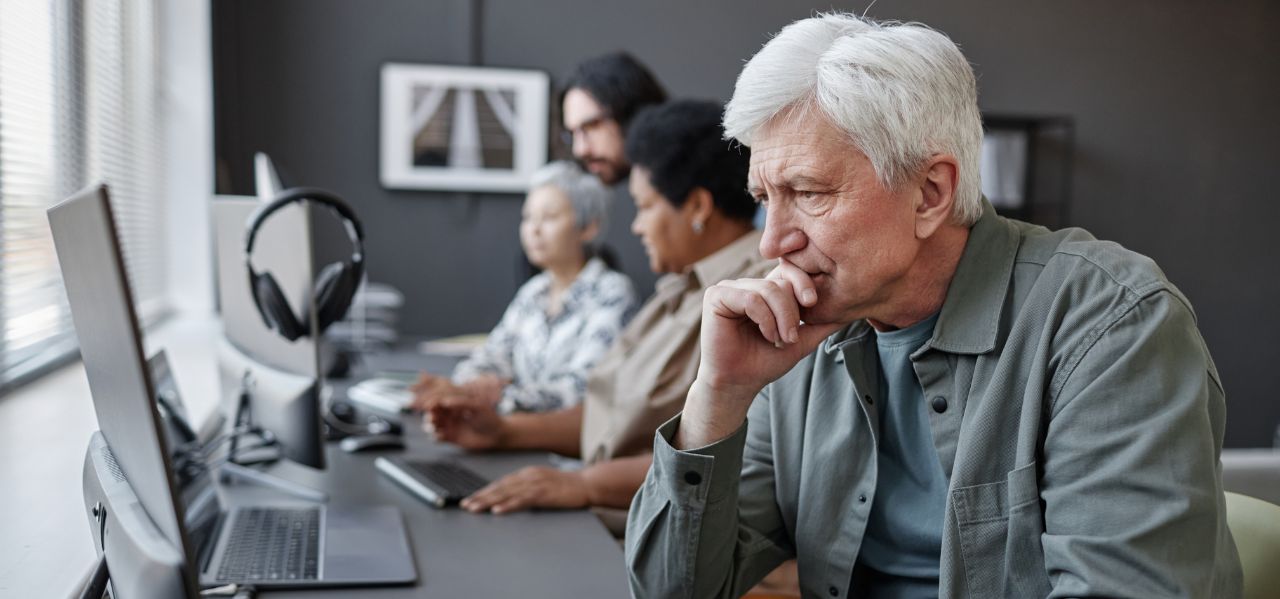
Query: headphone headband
314, 194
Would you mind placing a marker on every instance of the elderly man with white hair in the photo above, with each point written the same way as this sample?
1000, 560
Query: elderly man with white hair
923, 398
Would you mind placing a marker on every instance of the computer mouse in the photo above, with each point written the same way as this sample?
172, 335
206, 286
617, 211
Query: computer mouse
356, 443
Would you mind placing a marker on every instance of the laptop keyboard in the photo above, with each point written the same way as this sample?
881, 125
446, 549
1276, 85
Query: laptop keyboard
455, 480
273, 544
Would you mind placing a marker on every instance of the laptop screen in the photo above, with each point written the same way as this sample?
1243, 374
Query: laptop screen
197, 492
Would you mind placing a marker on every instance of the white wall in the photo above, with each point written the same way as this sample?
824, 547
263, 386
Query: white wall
187, 70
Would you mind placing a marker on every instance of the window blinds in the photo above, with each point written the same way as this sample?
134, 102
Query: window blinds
79, 103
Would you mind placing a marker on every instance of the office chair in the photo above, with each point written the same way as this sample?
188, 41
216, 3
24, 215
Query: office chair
1255, 525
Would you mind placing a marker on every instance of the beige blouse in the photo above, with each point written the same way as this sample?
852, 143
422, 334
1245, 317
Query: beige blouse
643, 380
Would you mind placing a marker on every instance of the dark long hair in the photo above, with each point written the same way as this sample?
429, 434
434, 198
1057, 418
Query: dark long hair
618, 82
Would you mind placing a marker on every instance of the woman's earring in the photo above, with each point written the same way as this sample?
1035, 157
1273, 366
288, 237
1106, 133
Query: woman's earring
697, 227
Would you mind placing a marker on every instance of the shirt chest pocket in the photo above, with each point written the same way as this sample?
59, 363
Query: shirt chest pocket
999, 527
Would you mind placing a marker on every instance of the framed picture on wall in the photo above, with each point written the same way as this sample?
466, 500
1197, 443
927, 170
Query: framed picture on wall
462, 128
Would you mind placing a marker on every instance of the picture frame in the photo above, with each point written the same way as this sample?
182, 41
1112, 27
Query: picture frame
462, 128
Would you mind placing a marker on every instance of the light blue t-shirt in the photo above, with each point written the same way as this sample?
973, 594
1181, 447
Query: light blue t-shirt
903, 540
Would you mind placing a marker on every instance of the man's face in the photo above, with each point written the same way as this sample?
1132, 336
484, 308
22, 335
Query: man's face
829, 216
597, 137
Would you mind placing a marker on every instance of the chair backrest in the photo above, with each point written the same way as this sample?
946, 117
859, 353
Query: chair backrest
1254, 472
1255, 525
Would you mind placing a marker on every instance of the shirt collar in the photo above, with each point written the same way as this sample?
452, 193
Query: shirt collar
540, 285
970, 317
726, 262
586, 277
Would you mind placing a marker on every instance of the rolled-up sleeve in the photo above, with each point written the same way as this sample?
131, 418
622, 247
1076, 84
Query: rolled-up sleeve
702, 525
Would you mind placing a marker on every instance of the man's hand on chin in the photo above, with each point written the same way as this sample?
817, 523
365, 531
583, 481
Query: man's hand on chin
751, 335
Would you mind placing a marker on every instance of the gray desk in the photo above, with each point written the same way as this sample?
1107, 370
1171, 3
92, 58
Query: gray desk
459, 554
45, 547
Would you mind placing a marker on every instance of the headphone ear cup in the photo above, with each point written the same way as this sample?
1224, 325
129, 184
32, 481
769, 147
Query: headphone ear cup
275, 309
335, 288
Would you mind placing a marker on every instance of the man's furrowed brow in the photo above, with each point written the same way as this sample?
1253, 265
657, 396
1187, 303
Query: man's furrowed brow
800, 181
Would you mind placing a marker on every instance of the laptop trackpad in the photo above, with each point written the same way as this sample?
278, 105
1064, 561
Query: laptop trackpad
367, 544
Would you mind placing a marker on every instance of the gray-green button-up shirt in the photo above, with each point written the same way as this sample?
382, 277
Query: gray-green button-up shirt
1074, 408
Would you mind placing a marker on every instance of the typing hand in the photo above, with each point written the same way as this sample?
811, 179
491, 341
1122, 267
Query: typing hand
485, 388
431, 389
532, 487
751, 336
428, 389
463, 422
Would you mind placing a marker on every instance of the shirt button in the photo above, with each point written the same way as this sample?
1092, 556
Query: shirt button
834, 592
939, 404
868, 398
862, 499
692, 477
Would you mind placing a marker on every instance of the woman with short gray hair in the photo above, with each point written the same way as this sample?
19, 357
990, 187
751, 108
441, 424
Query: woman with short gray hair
563, 319
587, 196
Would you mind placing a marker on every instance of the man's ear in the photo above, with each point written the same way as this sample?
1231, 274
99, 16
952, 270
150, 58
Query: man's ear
698, 206
936, 195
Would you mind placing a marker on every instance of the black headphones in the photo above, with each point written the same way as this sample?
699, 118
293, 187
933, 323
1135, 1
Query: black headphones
334, 287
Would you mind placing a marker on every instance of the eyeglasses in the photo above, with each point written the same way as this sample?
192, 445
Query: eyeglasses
589, 127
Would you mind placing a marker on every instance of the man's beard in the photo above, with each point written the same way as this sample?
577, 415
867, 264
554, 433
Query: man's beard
610, 174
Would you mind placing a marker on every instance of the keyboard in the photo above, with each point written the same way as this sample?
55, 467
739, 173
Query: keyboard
272, 544
439, 483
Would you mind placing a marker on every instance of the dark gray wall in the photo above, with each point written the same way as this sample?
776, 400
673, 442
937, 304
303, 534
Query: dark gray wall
300, 81
1173, 102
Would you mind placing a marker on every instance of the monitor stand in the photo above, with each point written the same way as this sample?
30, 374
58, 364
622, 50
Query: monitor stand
232, 470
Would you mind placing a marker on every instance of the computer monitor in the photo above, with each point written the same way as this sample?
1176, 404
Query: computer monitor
160, 536
284, 377
102, 310
266, 180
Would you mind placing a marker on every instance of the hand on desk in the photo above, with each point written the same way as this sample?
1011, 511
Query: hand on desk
464, 422
486, 389
532, 487
431, 389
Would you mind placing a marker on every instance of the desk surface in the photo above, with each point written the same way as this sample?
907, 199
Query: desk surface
45, 547
459, 554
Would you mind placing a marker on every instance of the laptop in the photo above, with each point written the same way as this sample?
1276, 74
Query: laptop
267, 546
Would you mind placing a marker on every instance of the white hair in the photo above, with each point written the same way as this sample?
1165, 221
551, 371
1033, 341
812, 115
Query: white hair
902, 92
587, 195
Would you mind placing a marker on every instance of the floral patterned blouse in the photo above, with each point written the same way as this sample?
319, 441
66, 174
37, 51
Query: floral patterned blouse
546, 358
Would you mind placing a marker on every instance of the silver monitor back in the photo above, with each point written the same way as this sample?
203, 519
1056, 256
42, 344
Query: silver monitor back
266, 181
286, 374
144, 565
283, 248
102, 310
